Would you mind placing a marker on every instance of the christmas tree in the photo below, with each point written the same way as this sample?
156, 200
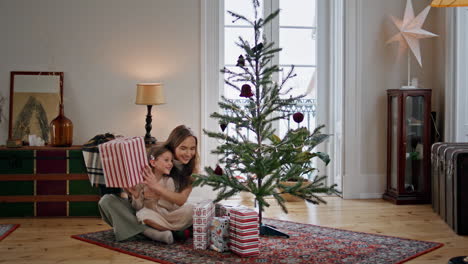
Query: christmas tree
259, 161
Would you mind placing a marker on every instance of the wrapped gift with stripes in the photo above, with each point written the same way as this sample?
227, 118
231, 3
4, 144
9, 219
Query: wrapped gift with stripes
123, 160
220, 234
243, 231
203, 213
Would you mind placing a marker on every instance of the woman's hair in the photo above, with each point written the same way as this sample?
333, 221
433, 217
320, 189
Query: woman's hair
182, 177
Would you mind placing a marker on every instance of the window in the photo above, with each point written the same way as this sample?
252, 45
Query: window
295, 31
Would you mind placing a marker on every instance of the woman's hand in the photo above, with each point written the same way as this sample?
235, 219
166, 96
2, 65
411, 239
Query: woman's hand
151, 181
149, 194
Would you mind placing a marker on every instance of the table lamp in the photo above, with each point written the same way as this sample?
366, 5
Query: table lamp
149, 94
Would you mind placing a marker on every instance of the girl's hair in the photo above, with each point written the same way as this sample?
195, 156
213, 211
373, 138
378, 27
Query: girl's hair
182, 177
157, 150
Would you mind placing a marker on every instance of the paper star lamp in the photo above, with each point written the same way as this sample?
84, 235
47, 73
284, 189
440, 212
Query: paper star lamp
449, 3
410, 31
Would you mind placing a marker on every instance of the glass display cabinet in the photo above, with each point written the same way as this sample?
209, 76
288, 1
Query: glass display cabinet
408, 146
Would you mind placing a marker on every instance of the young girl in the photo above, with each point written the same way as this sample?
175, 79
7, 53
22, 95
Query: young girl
119, 213
153, 209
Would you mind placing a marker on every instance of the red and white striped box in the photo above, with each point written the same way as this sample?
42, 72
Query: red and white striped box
123, 160
203, 213
243, 231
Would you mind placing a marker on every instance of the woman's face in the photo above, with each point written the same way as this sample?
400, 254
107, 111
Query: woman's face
186, 150
163, 163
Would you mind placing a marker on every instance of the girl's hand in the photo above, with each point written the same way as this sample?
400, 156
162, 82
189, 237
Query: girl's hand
150, 180
133, 191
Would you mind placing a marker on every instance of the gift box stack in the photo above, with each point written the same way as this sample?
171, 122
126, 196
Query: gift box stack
123, 160
220, 233
243, 231
203, 213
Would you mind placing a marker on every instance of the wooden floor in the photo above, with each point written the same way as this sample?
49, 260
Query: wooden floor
47, 240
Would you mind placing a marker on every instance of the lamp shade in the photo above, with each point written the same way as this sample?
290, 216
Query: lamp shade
150, 94
449, 3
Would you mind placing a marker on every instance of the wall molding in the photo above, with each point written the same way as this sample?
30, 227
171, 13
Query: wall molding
210, 66
461, 78
352, 95
456, 117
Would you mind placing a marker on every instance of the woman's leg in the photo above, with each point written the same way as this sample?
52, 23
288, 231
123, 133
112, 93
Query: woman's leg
119, 213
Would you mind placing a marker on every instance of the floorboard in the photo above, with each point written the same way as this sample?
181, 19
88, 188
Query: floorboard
47, 240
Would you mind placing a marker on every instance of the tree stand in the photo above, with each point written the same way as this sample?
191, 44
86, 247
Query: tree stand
269, 230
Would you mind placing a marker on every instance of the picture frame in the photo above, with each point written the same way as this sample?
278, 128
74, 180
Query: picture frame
34, 102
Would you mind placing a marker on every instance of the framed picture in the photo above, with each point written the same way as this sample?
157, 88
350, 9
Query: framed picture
34, 103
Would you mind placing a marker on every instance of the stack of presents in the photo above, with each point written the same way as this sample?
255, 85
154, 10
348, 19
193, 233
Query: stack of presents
117, 162
223, 228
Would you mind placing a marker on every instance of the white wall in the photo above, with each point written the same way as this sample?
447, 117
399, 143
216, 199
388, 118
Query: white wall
105, 47
371, 68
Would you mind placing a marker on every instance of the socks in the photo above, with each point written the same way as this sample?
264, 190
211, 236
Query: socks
162, 236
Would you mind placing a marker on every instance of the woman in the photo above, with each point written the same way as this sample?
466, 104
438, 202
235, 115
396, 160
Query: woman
119, 213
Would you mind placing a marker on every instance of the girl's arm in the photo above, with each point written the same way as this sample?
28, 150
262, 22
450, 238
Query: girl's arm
178, 198
136, 194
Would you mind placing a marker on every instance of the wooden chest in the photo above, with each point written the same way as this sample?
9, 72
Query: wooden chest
45, 181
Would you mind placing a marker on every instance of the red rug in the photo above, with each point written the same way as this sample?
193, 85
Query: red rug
307, 244
6, 229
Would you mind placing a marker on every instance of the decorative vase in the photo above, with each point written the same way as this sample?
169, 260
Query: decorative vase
61, 130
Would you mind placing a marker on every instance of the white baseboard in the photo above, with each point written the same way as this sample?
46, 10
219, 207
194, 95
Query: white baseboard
364, 196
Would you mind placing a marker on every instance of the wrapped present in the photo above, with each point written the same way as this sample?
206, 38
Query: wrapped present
220, 234
123, 160
244, 231
203, 213
225, 210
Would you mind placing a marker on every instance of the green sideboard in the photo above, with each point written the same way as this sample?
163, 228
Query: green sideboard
45, 181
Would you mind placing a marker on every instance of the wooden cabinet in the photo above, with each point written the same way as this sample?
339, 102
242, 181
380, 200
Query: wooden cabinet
45, 181
408, 146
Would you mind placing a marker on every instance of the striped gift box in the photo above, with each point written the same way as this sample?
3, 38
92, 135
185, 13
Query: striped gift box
243, 231
123, 160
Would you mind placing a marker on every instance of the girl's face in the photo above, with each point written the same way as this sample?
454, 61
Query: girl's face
163, 163
186, 150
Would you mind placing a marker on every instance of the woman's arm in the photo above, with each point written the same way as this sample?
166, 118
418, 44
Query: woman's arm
178, 198
175, 197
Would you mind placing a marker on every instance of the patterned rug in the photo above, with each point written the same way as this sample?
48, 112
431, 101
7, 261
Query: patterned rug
307, 244
6, 229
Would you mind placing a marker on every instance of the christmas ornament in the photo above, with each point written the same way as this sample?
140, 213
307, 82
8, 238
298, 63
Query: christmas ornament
257, 48
298, 117
218, 170
223, 126
246, 91
240, 61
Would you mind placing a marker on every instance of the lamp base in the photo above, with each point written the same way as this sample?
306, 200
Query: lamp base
150, 140
458, 260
